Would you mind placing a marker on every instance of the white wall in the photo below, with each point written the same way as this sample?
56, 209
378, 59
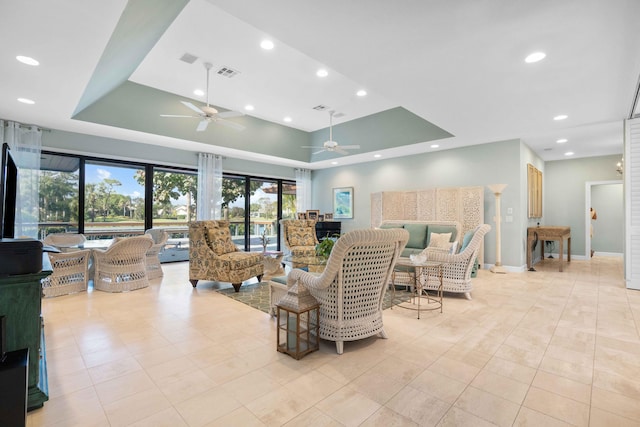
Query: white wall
608, 229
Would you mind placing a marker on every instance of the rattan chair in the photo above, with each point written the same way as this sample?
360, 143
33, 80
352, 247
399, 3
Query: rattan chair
160, 237
456, 271
64, 241
351, 289
70, 273
122, 266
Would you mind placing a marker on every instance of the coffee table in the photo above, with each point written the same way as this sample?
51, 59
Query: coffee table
418, 292
313, 263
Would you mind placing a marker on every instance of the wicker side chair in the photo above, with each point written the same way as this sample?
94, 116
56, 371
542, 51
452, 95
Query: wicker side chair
299, 236
65, 241
351, 289
122, 266
456, 272
213, 256
70, 273
160, 237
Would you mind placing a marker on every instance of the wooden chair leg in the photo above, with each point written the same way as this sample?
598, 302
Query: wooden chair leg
194, 282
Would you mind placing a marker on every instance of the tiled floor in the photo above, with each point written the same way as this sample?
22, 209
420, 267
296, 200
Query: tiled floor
534, 348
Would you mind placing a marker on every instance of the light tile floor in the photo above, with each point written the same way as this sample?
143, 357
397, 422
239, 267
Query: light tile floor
533, 348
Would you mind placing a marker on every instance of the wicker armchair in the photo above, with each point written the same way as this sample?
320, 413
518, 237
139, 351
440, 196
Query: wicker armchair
456, 272
213, 256
351, 289
70, 273
64, 241
299, 236
160, 237
122, 266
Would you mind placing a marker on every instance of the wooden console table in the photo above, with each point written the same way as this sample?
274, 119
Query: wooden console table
544, 233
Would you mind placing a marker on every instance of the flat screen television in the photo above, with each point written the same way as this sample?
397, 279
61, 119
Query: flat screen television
8, 193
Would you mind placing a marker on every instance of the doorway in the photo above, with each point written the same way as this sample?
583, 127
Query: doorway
607, 199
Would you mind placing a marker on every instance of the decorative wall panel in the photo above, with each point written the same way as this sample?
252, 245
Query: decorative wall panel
462, 204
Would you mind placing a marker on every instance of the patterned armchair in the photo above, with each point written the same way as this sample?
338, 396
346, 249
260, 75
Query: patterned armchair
299, 236
213, 256
351, 288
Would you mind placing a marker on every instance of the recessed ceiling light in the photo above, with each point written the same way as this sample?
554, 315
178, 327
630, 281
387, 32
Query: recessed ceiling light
535, 57
361, 92
26, 101
562, 140
377, 156
569, 153
266, 44
249, 107
27, 60
322, 73
334, 163
434, 146
287, 119
560, 117
198, 92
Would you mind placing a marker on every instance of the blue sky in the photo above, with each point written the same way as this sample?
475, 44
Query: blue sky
129, 187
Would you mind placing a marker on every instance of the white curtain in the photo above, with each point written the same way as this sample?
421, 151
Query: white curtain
209, 186
303, 190
25, 143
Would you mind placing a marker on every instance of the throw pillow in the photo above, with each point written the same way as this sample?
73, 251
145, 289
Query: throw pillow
220, 241
467, 239
440, 241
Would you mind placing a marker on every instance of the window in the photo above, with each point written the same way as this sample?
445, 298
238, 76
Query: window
59, 184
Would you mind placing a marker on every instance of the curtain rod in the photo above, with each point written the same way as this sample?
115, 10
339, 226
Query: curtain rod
25, 126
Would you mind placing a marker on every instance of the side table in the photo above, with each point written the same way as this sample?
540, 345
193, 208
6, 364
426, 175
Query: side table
418, 292
272, 264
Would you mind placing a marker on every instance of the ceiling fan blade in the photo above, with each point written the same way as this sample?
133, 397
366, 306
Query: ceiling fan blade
227, 114
193, 107
202, 126
176, 115
232, 125
340, 150
350, 147
309, 146
318, 152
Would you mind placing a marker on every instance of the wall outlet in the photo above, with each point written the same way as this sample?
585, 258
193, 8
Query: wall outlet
508, 218
509, 210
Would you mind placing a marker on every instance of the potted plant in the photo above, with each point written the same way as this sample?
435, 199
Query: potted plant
323, 249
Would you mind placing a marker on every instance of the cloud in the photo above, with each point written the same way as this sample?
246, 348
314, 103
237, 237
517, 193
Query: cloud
136, 194
103, 174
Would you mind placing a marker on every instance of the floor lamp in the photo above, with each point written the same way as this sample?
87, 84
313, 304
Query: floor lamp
497, 190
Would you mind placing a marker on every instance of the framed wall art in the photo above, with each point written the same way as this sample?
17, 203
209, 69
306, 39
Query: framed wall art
313, 214
343, 203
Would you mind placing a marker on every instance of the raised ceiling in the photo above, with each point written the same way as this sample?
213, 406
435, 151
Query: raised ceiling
452, 72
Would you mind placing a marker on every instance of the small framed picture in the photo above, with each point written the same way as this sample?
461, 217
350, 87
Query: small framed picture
320, 218
313, 214
328, 216
302, 215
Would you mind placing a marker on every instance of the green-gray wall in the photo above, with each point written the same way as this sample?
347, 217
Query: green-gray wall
608, 228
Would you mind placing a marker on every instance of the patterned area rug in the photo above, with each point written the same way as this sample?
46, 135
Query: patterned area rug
256, 295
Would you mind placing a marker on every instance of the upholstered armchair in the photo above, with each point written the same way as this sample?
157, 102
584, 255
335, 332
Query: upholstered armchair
299, 236
123, 265
351, 289
213, 256
456, 271
160, 237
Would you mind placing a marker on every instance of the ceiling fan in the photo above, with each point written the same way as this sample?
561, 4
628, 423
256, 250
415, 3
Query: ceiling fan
208, 114
331, 145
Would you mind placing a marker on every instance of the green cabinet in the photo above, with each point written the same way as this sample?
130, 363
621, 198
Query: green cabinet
20, 303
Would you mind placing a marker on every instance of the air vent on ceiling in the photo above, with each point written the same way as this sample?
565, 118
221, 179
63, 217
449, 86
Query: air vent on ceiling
320, 107
338, 115
228, 72
188, 58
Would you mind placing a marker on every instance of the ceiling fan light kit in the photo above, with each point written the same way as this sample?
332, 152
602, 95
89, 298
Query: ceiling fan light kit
209, 114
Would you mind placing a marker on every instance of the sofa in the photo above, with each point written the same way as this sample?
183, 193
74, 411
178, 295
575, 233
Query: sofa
420, 233
213, 256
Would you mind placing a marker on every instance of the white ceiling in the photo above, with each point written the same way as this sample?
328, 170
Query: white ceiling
459, 65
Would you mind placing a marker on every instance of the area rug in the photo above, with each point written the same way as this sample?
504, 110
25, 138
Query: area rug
256, 295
